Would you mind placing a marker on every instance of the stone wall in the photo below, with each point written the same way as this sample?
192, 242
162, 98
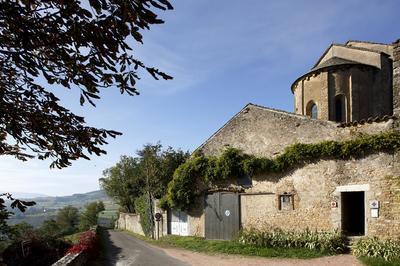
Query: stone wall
315, 186
72, 259
396, 78
196, 218
76, 259
255, 130
267, 132
130, 222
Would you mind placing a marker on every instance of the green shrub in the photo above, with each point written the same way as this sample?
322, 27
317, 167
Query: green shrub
142, 207
375, 248
332, 242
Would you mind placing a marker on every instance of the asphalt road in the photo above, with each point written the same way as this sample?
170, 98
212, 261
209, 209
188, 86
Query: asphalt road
122, 249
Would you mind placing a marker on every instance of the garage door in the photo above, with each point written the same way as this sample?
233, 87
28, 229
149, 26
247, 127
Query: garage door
222, 215
179, 223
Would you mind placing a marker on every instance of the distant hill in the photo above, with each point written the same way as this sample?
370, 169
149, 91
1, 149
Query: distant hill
46, 207
24, 195
76, 200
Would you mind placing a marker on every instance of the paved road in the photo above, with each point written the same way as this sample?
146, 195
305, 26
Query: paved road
123, 250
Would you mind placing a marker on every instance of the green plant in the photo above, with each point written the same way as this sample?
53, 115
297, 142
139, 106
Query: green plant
332, 242
68, 219
200, 172
89, 217
142, 207
375, 248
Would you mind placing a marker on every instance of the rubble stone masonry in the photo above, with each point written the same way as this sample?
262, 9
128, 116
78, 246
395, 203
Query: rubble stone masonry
396, 78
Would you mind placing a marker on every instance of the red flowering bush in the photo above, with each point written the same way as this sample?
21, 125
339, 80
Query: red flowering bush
87, 243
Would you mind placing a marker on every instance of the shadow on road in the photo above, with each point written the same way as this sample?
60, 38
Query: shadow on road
108, 253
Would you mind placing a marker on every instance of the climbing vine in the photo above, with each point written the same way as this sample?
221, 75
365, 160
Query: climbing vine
142, 207
201, 172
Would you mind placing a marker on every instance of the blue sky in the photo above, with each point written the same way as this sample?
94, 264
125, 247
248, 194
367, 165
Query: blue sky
223, 55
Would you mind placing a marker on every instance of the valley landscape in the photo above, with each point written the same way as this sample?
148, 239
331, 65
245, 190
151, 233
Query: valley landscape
46, 207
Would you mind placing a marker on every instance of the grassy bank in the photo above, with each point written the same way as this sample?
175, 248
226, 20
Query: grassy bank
378, 262
74, 238
199, 244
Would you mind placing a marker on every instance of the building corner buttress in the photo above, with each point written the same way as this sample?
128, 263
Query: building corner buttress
396, 78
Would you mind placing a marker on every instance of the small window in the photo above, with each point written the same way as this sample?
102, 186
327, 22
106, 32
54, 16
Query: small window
312, 110
245, 181
285, 198
340, 111
286, 202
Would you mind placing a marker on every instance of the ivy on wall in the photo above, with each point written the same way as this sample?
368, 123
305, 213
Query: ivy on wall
142, 207
201, 172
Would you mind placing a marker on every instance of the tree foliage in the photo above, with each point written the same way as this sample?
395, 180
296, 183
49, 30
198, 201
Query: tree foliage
123, 182
50, 228
5, 213
21, 231
68, 219
148, 174
201, 172
71, 44
90, 215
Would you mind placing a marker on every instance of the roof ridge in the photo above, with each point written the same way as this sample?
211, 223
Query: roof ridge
367, 42
361, 48
345, 46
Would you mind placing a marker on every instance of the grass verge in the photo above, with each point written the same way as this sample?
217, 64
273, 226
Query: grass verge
199, 244
74, 238
378, 262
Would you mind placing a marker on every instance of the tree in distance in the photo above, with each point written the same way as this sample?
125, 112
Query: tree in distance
90, 215
68, 219
50, 228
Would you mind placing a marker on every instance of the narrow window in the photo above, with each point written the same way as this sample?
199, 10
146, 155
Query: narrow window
312, 110
286, 202
340, 108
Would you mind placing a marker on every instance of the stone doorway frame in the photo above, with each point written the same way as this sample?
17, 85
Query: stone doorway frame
351, 188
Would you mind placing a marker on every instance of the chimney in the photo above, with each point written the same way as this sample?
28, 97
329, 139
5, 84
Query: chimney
396, 78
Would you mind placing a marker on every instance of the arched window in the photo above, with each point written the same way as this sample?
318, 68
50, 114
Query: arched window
312, 110
340, 111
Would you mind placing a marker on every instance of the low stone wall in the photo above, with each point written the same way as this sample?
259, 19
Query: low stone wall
72, 259
75, 259
130, 222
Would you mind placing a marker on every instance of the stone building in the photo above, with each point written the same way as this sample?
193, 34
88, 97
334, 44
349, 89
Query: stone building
353, 89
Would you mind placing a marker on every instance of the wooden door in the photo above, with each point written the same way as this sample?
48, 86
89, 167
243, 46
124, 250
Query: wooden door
222, 215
